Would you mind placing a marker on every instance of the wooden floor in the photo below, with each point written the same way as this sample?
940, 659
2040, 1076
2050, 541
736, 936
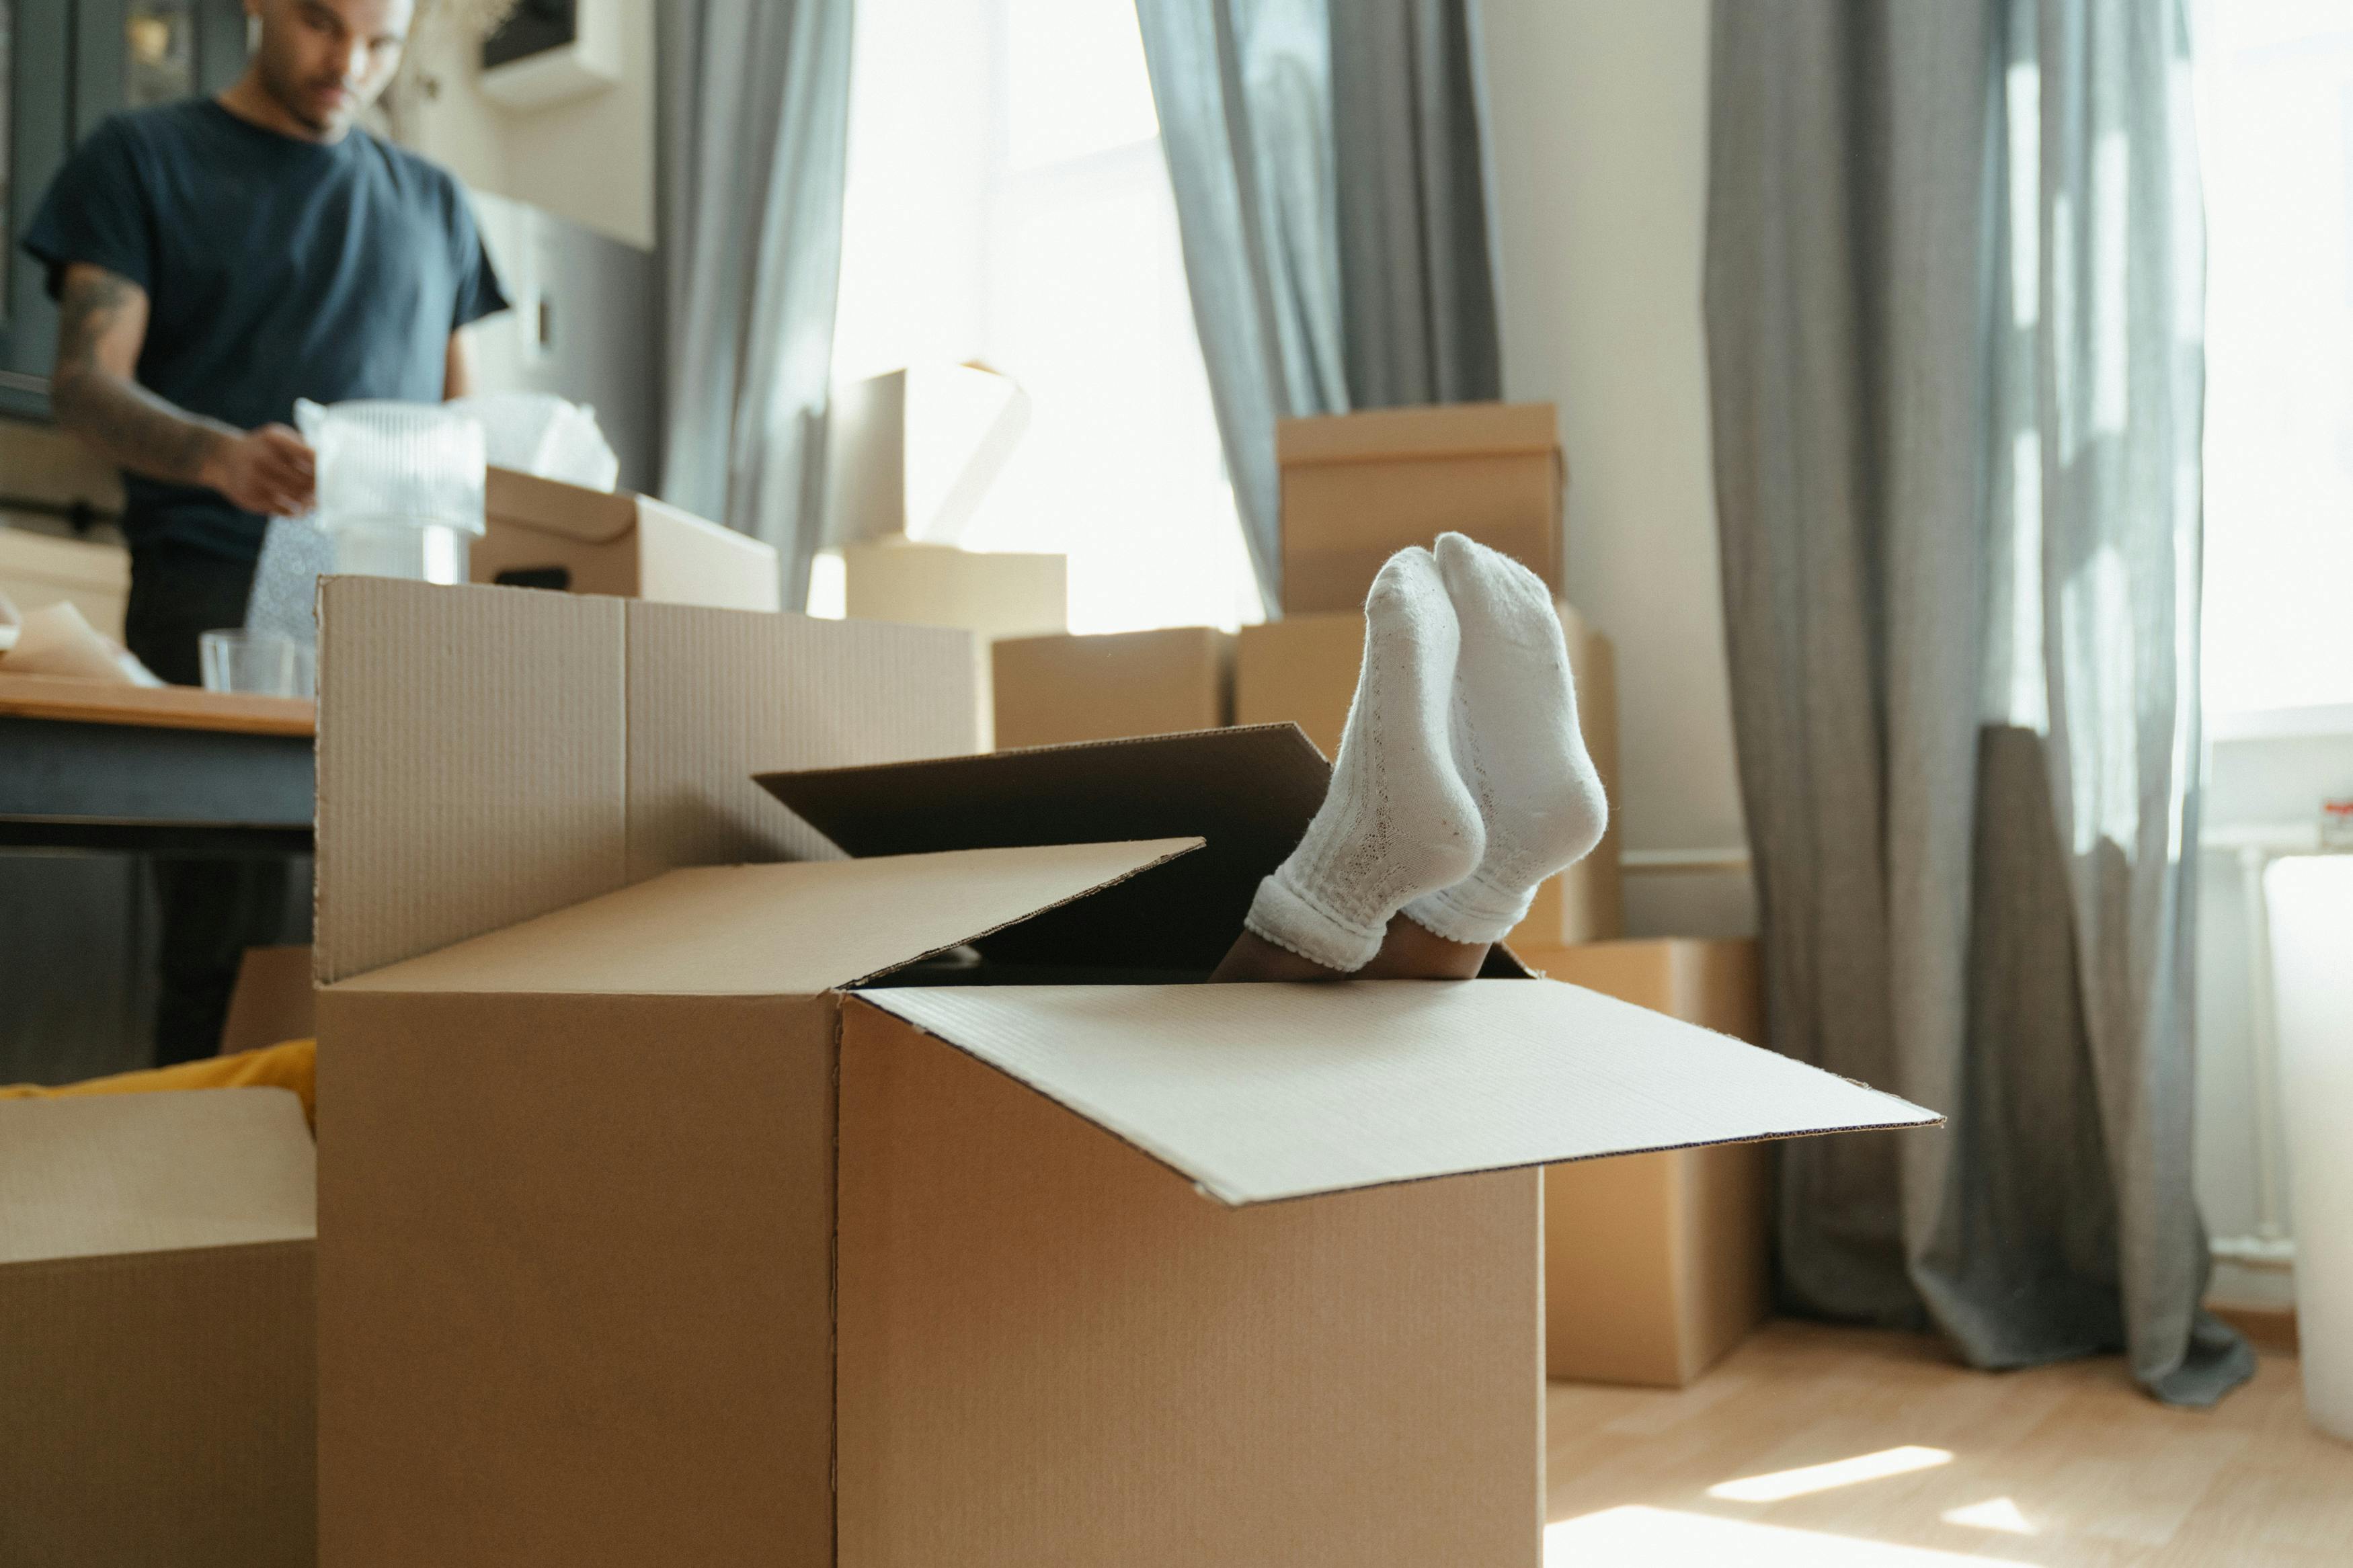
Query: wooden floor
2057, 1467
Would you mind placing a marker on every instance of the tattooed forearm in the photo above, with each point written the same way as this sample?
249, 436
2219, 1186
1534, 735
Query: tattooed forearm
102, 320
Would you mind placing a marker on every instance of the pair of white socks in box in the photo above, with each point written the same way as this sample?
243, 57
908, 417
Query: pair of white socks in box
1463, 780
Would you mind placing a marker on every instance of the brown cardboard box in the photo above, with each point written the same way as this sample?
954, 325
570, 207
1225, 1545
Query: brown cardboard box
1358, 487
271, 1002
1303, 669
1051, 690
545, 533
41, 569
682, 1211
998, 593
1656, 1265
156, 1330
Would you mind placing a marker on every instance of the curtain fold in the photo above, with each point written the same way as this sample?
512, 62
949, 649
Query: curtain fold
1955, 257
1331, 181
1243, 89
754, 113
1416, 229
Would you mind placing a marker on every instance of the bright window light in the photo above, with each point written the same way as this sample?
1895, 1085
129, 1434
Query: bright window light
2276, 143
1662, 1536
1783, 1484
1009, 203
1999, 1513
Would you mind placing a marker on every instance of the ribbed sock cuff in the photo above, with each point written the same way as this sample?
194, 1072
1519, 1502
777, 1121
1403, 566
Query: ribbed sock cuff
1470, 911
1282, 915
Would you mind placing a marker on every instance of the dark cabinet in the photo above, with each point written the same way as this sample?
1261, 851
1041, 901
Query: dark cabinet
66, 65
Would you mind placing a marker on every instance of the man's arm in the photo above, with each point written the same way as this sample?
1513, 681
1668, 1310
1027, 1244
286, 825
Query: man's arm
102, 324
457, 366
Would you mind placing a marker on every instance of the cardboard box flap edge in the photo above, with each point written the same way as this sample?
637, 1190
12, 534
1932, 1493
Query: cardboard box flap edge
787, 929
104, 1174
1419, 434
552, 506
1259, 1093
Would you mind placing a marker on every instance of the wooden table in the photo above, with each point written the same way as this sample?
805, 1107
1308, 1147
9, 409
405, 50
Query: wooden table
169, 770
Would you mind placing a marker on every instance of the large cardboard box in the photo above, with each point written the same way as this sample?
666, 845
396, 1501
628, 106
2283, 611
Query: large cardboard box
1303, 668
545, 533
998, 593
156, 1330
1358, 487
684, 1210
1656, 1265
1052, 691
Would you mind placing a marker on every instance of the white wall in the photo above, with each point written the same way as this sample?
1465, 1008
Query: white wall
590, 160
1599, 137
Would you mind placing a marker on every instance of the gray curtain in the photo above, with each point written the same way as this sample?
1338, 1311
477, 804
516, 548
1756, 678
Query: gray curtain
1416, 231
1953, 298
1331, 189
755, 117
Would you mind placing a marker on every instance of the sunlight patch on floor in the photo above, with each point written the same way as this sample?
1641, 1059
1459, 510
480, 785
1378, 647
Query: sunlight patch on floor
1662, 1538
1784, 1484
1995, 1513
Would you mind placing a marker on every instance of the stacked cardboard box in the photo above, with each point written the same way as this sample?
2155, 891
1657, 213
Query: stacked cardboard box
1053, 690
678, 1210
1302, 670
998, 594
545, 533
1656, 1265
1358, 487
156, 1330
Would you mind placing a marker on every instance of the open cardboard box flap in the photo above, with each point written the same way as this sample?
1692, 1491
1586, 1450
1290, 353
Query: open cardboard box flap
1248, 792
105, 1175
793, 929
1262, 1092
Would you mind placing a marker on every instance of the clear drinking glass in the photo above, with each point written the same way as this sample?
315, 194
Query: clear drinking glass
260, 663
400, 485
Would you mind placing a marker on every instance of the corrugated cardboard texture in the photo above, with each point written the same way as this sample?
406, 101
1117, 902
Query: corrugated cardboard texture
1656, 1265
1053, 690
1302, 670
791, 930
487, 755
1053, 1353
91, 1175
156, 1409
472, 747
574, 1283
998, 594
715, 698
1261, 1092
1356, 488
272, 999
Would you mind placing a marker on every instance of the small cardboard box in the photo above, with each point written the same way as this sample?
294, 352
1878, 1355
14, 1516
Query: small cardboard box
902, 1209
1303, 668
1358, 487
1657, 1265
1053, 690
40, 569
998, 594
156, 1330
545, 533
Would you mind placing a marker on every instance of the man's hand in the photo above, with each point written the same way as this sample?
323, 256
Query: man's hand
270, 470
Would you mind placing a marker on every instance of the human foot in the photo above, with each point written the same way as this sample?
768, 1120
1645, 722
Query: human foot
1397, 822
1517, 746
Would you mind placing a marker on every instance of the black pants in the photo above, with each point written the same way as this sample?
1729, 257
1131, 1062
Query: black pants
213, 910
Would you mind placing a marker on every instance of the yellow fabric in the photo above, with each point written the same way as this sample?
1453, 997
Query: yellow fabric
293, 1065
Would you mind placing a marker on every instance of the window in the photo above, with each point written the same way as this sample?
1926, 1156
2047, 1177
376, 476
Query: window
1007, 204
2275, 111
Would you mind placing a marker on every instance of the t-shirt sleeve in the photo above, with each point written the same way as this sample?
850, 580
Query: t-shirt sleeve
479, 293
97, 211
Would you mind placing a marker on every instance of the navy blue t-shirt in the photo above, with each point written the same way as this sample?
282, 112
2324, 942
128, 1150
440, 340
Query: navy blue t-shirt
275, 268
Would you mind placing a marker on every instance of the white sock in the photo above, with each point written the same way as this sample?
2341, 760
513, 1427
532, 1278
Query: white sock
1517, 746
1397, 821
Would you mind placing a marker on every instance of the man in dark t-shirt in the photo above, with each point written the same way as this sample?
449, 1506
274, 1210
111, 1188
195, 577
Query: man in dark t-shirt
213, 261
